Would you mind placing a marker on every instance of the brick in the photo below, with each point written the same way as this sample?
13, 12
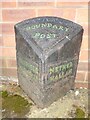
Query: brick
80, 76
8, 4
1, 41
85, 27
9, 40
89, 30
3, 63
84, 43
69, 13
0, 52
0, 29
17, 15
84, 55
71, 4
35, 4
9, 72
0, 63
0, 15
89, 41
50, 12
83, 85
0, 71
0, 4
11, 63
9, 52
88, 76
8, 63
8, 28
83, 66
82, 15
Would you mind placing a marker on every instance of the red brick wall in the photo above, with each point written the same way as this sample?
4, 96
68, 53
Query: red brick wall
14, 12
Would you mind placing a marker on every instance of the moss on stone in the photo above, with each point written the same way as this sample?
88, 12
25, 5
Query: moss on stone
4, 94
15, 103
80, 113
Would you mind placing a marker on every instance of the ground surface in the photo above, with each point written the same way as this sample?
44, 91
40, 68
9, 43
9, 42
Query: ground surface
65, 107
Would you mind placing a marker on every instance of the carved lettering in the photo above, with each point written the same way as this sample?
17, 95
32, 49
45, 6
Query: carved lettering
47, 25
42, 36
29, 69
60, 71
39, 35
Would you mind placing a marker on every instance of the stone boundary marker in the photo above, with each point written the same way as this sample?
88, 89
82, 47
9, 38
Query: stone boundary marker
47, 57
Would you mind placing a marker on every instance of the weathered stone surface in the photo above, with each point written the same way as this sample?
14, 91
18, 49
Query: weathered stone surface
47, 57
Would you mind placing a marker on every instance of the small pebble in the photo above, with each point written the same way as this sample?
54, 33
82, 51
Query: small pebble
71, 91
76, 93
3, 110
